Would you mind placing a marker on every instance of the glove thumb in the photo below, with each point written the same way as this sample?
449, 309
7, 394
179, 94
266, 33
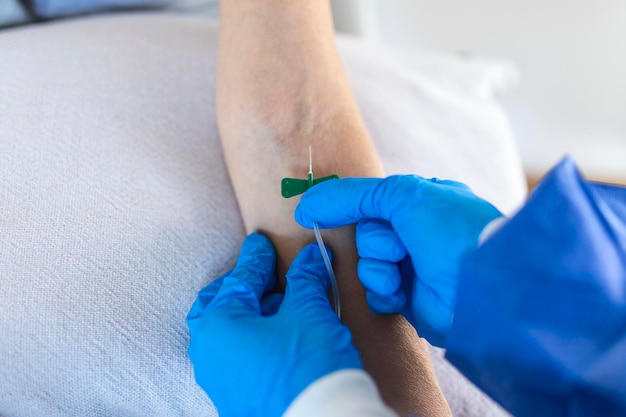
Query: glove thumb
307, 280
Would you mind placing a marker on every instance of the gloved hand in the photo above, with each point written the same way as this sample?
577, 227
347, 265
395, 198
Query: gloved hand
254, 352
49, 9
411, 235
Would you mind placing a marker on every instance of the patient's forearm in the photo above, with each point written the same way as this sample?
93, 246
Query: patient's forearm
280, 88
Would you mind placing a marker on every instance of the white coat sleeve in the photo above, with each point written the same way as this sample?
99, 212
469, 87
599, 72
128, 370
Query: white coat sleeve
346, 393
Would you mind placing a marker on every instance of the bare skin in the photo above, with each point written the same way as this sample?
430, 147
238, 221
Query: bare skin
280, 88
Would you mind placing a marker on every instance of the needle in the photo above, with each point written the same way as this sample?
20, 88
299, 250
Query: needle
322, 246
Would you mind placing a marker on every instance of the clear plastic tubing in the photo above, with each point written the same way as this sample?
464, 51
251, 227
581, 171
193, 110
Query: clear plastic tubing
329, 268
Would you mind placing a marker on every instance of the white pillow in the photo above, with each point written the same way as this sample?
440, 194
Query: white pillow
117, 208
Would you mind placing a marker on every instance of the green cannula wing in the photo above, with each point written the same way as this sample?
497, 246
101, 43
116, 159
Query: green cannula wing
290, 187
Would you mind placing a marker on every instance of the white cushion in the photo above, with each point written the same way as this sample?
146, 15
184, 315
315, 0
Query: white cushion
117, 209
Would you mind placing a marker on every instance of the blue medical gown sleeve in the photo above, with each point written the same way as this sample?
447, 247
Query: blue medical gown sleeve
540, 322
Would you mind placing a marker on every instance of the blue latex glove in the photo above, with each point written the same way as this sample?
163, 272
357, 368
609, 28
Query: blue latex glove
411, 235
48, 9
254, 354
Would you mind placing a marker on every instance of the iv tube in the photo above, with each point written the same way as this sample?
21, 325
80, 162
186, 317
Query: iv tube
329, 268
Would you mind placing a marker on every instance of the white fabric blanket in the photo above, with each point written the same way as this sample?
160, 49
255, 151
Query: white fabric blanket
116, 207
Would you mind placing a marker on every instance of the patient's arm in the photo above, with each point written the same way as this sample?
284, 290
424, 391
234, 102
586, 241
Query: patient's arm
280, 88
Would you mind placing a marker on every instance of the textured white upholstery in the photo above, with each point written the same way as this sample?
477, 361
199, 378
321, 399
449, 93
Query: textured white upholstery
116, 207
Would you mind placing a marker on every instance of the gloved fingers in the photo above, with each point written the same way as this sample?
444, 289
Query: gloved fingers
256, 264
386, 304
348, 200
432, 314
307, 280
270, 303
252, 277
378, 276
335, 203
204, 298
376, 239
399, 301
451, 183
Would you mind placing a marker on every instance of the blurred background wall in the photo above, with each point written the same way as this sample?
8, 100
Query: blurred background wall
571, 55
